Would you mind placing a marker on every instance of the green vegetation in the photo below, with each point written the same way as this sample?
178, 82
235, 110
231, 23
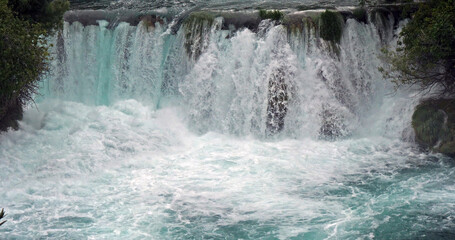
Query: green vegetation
434, 125
425, 57
2, 214
272, 14
426, 52
199, 17
331, 26
360, 14
48, 13
23, 54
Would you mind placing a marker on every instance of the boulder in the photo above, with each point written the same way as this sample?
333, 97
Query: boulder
434, 125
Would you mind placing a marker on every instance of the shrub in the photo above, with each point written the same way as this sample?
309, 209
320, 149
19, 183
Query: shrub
2, 214
46, 12
426, 51
360, 14
331, 26
23, 56
24, 53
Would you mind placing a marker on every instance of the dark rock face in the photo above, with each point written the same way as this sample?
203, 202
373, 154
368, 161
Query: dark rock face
10, 114
277, 101
434, 125
91, 17
239, 20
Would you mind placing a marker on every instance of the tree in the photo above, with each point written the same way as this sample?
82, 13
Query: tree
24, 53
425, 55
48, 13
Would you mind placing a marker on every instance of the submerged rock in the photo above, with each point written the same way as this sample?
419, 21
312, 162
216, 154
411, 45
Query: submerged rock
277, 101
434, 125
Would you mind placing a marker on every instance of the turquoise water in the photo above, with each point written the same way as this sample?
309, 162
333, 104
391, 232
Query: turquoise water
76, 172
134, 138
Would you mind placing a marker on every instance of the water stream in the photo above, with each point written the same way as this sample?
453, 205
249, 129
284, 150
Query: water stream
222, 132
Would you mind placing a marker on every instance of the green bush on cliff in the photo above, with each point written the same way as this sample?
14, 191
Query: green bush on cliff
426, 52
331, 26
2, 214
360, 14
24, 52
48, 13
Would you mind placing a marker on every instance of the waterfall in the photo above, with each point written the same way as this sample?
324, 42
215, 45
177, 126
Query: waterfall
209, 124
232, 77
260, 78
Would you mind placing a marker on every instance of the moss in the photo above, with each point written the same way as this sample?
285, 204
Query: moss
331, 26
434, 125
197, 25
199, 17
447, 148
428, 123
360, 14
273, 14
293, 24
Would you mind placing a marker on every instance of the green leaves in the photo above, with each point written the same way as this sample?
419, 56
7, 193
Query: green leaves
331, 26
425, 55
46, 12
24, 56
2, 214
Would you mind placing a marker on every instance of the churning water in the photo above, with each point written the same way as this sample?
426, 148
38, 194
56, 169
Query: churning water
221, 133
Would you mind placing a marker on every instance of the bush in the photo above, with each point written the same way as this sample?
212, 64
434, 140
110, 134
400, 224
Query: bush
331, 26
360, 14
24, 54
426, 51
2, 214
46, 12
273, 14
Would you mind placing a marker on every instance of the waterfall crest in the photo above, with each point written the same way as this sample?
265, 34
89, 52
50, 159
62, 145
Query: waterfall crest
232, 72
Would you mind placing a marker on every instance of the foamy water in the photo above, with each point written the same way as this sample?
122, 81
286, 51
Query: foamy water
135, 138
127, 171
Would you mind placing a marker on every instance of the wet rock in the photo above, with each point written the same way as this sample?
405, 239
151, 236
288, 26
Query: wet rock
10, 114
434, 125
150, 20
239, 20
277, 101
331, 126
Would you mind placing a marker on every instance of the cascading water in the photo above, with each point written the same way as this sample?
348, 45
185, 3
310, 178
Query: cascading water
225, 129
